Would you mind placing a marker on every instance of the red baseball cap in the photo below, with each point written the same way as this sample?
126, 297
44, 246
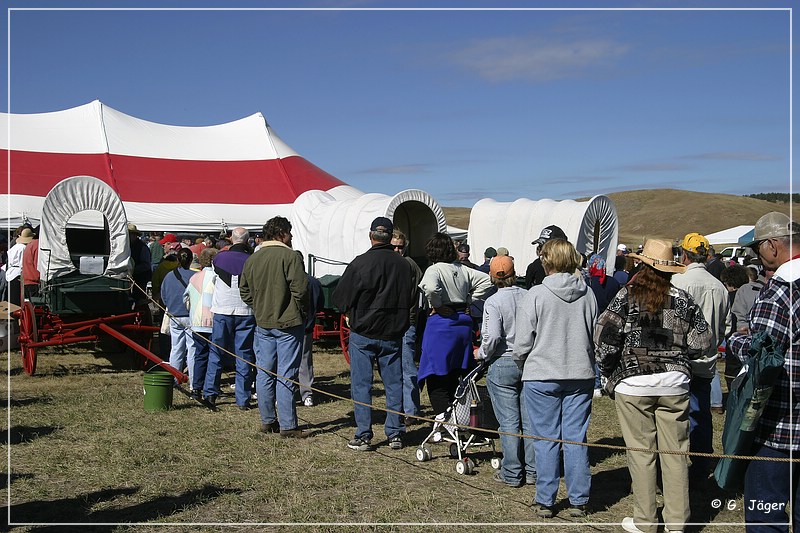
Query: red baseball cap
168, 237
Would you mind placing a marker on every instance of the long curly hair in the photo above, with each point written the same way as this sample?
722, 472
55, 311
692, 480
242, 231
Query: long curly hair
440, 249
276, 227
650, 288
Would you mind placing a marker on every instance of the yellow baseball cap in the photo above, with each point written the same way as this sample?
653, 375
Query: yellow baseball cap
692, 243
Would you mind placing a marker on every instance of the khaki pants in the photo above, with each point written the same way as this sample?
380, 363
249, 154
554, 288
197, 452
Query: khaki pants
657, 423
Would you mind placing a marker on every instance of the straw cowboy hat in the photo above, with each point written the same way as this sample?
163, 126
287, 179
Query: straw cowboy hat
658, 254
25, 236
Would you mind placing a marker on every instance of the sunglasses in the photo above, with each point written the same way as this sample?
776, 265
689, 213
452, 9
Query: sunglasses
757, 245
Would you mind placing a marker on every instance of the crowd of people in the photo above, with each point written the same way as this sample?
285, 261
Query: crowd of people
647, 334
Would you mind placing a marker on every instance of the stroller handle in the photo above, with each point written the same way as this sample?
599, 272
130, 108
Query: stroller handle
474, 375
483, 365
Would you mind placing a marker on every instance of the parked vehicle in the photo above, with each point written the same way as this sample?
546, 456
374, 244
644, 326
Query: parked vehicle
737, 253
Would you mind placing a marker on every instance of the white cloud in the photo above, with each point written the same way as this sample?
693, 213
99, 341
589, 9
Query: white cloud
654, 167
535, 59
399, 169
734, 156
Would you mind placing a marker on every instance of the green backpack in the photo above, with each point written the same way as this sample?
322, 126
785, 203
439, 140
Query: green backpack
746, 401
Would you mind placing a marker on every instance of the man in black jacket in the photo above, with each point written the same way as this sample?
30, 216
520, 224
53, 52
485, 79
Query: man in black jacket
375, 292
535, 274
714, 265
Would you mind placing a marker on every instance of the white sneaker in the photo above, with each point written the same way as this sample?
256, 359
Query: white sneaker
630, 526
598, 393
308, 401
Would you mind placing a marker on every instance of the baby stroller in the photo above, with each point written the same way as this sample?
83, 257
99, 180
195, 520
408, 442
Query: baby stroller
466, 410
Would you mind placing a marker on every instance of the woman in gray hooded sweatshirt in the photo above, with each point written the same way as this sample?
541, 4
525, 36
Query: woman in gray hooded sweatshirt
554, 347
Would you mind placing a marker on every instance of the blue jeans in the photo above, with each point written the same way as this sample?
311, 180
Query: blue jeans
504, 382
363, 351
234, 333
701, 431
768, 482
181, 353
201, 350
716, 390
597, 383
410, 385
560, 409
305, 374
278, 351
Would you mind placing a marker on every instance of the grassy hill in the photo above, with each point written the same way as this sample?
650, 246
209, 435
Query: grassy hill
668, 213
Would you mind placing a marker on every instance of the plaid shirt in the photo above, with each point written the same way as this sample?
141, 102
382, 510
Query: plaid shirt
777, 311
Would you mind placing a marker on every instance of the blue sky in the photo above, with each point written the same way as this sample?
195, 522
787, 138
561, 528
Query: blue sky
462, 104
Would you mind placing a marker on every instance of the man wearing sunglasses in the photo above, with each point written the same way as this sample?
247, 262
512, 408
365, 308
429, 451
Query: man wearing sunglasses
768, 485
411, 403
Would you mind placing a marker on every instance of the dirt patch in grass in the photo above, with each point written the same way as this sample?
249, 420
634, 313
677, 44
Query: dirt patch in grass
83, 450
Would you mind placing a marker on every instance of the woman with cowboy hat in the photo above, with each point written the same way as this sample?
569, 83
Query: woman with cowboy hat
643, 343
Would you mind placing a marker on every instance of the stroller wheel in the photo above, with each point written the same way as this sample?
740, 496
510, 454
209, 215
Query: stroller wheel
423, 454
496, 463
454, 451
465, 467
470, 465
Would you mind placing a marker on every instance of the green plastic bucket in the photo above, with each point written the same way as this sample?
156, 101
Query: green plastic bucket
157, 390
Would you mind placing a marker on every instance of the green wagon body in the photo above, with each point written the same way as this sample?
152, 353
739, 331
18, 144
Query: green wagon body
86, 294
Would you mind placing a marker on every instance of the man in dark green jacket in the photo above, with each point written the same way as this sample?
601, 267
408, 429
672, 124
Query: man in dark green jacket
275, 285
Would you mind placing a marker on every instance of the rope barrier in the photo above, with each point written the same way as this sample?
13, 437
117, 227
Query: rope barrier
496, 431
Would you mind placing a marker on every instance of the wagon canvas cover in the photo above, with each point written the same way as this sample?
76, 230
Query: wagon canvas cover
75, 195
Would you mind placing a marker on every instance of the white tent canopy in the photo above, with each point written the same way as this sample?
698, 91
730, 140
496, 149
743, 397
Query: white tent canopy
70, 197
318, 218
729, 236
196, 179
591, 226
169, 177
201, 178
457, 234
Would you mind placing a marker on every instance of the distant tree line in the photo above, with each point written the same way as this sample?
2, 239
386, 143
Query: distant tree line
775, 197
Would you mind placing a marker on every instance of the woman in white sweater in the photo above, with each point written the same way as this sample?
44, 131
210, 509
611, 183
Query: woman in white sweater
449, 288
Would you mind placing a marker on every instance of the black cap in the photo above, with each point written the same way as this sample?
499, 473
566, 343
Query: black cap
550, 232
463, 248
382, 222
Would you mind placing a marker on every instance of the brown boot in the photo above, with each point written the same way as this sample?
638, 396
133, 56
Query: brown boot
294, 434
272, 427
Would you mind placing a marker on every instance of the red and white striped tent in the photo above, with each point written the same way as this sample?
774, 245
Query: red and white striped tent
196, 179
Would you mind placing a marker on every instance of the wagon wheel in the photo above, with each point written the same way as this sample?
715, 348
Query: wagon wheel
344, 337
29, 332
